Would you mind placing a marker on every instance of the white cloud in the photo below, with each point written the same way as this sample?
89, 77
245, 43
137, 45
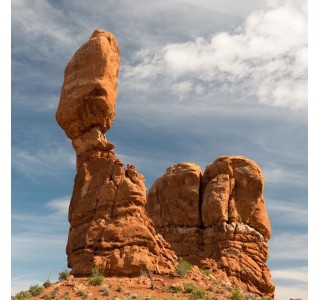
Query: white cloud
45, 161
60, 206
290, 292
279, 175
266, 57
297, 274
287, 213
296, 282
28, 246
288, 246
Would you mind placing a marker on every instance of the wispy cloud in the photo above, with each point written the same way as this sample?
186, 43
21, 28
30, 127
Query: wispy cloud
290, 282
42, 162
288, 246
266, 57
288, 213
60, 206
285, 292
295, 274
279, 175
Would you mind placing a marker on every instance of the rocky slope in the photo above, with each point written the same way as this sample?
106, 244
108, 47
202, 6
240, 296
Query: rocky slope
194, 285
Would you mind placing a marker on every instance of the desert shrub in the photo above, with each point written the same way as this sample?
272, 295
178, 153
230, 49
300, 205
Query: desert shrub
237, 295
80, 293
47, 283
198, 294
106, 290
172, 289
265, 298
96, 277
119, 289
23, 295
64, 274
149, 297
66, 296
183, 267
210, 288
136, 297
189, 287
55, 292
206, 271
252, 296
35, 290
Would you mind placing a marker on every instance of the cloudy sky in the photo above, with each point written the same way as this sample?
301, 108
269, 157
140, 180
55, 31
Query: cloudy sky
198, 79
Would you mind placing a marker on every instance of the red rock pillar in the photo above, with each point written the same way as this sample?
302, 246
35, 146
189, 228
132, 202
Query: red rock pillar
109, 227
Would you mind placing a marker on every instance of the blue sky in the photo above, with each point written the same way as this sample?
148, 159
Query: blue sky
198, 79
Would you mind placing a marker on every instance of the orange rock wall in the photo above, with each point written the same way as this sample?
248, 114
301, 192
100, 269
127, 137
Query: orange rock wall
233, 229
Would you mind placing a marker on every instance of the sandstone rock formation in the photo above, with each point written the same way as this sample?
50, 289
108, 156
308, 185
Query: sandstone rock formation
89, 90
232, 225
109, 227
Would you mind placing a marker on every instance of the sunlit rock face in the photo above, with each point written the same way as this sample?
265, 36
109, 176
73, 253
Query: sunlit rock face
217, 219
109, 226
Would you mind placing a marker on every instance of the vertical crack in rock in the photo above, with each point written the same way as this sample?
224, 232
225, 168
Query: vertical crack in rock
109, 226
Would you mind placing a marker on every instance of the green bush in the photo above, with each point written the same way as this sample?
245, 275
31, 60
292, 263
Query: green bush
172, 289
64, 274
198, 294
23, 295
206, 271
96, 277
119, 289
35, 290
183, 267
189, 287
237, 295
80, 293
47, 283
55, 292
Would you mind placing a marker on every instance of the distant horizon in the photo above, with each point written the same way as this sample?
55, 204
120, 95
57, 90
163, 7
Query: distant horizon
197, 81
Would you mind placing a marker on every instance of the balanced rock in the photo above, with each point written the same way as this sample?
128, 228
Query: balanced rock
89, 90
109, 226
230, 237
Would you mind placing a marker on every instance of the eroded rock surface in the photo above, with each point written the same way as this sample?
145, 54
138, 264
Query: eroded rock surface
230, 237
109, 227
89, 91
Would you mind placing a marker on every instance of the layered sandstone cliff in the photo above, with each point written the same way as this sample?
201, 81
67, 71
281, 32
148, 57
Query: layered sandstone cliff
217, 219
109, 227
